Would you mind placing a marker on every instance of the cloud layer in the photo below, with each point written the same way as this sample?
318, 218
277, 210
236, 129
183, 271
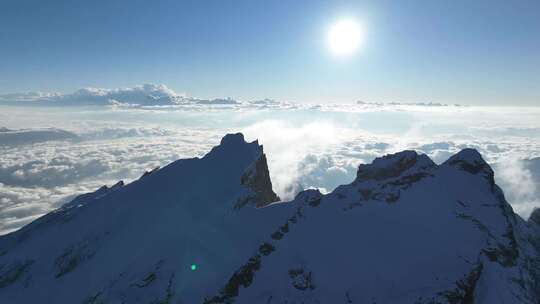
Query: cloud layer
53, 154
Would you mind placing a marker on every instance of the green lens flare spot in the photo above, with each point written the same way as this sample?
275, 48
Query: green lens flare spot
193, 267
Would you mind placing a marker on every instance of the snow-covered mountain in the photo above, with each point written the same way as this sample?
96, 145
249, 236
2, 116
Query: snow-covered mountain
210, 230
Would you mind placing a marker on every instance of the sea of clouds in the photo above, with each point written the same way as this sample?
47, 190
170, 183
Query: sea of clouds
51, 151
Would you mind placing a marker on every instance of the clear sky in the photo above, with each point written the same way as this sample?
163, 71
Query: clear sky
472, 52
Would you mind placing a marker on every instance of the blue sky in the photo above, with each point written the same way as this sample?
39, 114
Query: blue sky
471, 52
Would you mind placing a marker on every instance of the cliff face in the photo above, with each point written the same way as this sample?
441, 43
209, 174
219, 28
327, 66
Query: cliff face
257, 178
203, 231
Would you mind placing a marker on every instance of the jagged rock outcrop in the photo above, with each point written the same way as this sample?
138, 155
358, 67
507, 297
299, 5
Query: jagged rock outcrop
257, 178
393, 165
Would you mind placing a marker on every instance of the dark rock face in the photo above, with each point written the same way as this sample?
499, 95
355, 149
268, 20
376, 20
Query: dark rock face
464, 291
257, 178
10, 273
301, 279
535, 217
312, 197
392, 165
73, 256
385, 178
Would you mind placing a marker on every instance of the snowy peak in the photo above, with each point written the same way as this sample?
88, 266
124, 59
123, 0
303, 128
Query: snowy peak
230, 140
471, 161
393, 165
386, 177
256, 177
234, 145
409, 163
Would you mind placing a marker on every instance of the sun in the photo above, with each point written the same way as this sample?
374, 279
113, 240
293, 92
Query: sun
345, 37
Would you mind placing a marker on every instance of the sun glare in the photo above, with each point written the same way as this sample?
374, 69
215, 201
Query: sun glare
345, 37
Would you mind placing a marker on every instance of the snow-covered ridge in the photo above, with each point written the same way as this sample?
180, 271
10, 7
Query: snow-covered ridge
208, 230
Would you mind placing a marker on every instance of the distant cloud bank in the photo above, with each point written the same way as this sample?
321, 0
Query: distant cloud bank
147, 94
161, 95
143, 95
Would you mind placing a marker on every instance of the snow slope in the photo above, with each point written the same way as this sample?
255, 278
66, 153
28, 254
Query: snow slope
404, 231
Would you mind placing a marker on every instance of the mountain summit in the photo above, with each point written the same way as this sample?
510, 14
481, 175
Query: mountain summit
207, 230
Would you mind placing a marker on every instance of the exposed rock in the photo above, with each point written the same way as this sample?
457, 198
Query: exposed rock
534, 218
10, 273
74, 255
243, 277
312, 197
257, 178
301, 279
464, 291
392, 165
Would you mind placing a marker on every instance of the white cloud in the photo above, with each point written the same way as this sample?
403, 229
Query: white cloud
147, 94
288, 147
520, 180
